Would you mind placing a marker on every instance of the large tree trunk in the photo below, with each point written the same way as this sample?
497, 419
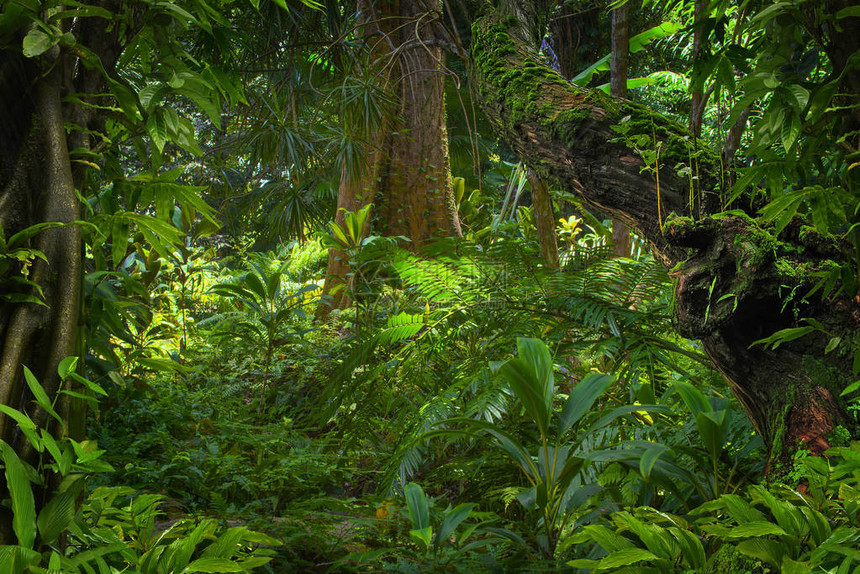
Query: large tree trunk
358, 186
38, 184
417, 196
731, 275
406, 165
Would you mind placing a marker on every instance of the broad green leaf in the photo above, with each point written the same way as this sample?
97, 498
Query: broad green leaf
422, 535
226, 544
66, 365
56, 516
850, 12
151, 95
253, 282
24, 235
852, 387
693, 397
53, 448
21, 493
790, 566
94, 387
39, 394
213, 565
17, 559
757, 528
156, 127
691, 547
24, 421
617, 412
582, 398
37, 42
712, 430
608, 539
452, 521
625, 557
649, 459
740, 510
787, 515
832, 344
536, 354
419, 508
771, 551
528, 498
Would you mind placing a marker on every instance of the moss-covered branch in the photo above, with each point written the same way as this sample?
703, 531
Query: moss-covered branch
604, 149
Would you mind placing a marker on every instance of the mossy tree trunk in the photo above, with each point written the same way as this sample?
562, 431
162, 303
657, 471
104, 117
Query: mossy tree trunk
731, 277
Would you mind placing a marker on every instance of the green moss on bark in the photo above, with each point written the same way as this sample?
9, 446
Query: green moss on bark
519, 79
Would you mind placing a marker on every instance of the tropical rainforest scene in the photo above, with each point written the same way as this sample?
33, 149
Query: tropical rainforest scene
429, 286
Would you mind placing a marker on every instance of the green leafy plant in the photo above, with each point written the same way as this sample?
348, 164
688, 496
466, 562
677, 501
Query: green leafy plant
264, 309
666, 543
15, 287
550, 465
705, 461
443, 545
64, 538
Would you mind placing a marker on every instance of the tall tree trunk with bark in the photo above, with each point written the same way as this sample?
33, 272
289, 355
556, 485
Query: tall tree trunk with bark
38, 184
359, 186
619, 62
407, 173
417, 198
729, 273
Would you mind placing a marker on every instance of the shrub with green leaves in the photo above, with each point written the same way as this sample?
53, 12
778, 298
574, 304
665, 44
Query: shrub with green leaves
113, 529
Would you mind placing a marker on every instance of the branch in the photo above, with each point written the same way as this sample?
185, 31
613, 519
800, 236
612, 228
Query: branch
619, 156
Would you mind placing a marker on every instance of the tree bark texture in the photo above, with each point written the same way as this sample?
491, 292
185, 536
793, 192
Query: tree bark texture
354, 193
406, 170
417, 196
357, 189
38, 184
734, 282
38, 188
544, 219
697, 108
619, 63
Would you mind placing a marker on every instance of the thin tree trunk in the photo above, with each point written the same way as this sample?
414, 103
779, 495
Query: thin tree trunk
697, 108
619, 63
544, 219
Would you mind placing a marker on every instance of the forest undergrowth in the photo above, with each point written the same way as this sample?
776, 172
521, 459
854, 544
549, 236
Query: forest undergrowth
473, 411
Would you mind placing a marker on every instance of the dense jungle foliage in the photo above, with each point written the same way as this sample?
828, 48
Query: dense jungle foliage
274, 356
